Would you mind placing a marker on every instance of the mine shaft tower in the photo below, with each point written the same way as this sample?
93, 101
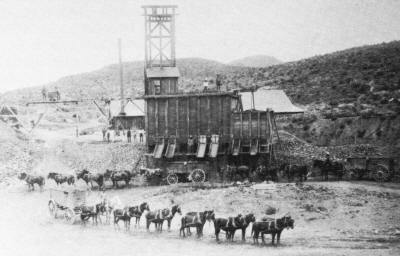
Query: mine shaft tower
159, 35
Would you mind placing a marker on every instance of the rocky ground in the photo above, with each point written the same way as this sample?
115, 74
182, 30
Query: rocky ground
331, 218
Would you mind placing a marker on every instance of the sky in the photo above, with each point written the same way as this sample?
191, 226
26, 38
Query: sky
43, 40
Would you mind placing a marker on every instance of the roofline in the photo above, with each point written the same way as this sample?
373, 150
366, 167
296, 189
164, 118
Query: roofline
186, 95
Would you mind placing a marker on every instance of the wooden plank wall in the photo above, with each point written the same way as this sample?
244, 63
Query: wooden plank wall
250, 125
185, 116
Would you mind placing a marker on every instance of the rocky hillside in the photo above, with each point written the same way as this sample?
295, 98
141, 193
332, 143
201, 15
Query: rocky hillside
105, 82
257, 61
351, 95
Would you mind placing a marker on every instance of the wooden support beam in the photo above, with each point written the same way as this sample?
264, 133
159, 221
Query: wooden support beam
166, 118
258, 125
188, 117
250, 124
198, 115
53, 102
208, 115
177, 117
156, 117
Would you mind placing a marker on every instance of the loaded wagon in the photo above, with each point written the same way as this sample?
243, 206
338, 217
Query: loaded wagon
67, 203
377, 168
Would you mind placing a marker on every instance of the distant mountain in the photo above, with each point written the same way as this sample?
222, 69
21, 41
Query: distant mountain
257, 61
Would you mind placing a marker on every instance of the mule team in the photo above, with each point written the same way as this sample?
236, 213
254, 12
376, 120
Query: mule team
190, 220
291, 172
85, 175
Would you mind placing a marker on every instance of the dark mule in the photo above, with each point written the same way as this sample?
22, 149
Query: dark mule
241, 222
116, 176
32, 180
271, 226
125, 215
159, 216
231, 224
93, 212
89, 178
60, 178
138, 211
336, 168
263, 173
295, 171
197, 220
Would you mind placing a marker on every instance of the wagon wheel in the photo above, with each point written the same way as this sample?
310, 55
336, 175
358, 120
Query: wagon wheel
69, 216
381, 173
172, 178
52, 208
198, 175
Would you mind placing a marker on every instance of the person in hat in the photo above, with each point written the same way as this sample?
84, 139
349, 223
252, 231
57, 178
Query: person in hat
128, 135
327, 159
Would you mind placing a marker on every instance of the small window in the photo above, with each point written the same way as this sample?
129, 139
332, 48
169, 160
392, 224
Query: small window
157, 86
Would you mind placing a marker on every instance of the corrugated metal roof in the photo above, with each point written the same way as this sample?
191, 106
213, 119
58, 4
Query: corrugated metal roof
277, 100
132, 107
162, 72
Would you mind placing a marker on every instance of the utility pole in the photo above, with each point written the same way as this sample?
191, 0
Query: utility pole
121, 80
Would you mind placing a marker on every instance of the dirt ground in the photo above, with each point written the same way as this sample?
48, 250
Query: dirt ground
336, 218
331, 218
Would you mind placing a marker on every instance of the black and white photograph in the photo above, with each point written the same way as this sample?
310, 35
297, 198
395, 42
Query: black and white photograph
208, 127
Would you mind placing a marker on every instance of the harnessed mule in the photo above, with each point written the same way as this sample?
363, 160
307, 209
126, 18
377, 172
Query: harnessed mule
231, 224
197, 220
241, 222
125, 215
273, 227
327, 167
116, 176
89, 178
32, 180
88, 212
138, 211
60, 178
159, 216
293, 171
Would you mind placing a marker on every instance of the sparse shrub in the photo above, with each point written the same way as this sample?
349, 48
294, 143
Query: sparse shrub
334, 103
361, 134
359, 86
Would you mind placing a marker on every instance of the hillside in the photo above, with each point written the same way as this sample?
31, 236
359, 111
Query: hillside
351, 95
256, 61
105, 81
365, 77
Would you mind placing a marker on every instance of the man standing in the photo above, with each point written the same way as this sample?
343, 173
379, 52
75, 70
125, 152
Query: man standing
104, 131
108, 136
128, 135
134, 136
44, 93
141, 136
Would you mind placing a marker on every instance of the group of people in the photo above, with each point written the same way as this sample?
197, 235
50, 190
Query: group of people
136, 134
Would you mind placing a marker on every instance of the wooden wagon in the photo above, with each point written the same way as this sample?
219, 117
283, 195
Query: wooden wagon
67, 203
377, 168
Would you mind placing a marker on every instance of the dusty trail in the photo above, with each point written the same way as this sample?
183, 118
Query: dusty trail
27, 228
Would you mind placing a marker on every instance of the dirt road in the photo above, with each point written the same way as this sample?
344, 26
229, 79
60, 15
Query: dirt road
27, 228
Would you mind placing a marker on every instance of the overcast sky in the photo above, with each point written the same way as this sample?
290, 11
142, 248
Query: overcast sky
43, 40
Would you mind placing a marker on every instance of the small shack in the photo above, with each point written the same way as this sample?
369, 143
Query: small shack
133, 118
